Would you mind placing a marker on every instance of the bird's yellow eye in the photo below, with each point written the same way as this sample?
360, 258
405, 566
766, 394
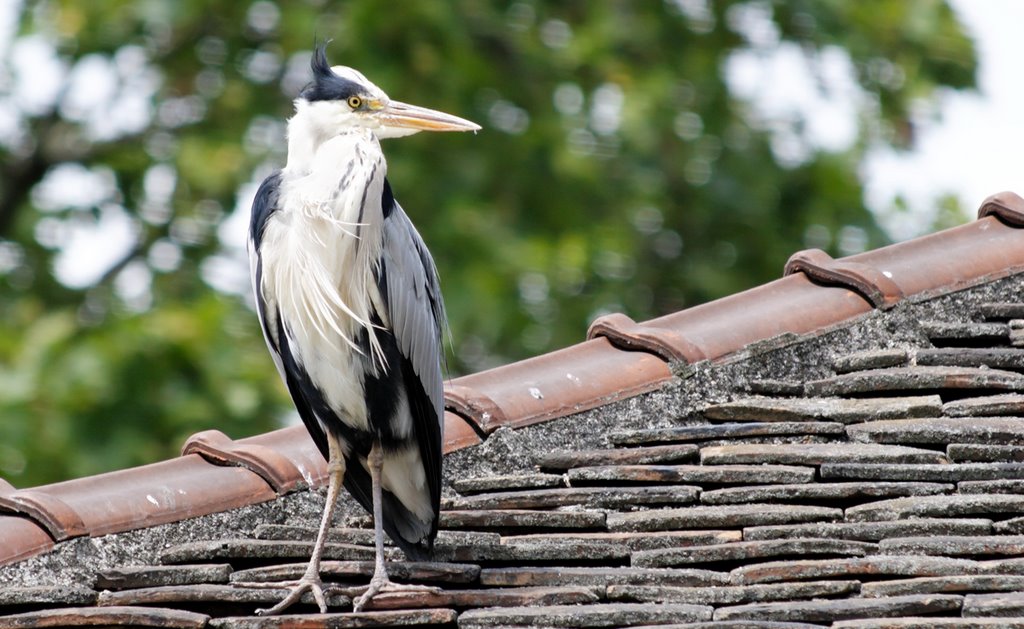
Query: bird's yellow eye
355, 102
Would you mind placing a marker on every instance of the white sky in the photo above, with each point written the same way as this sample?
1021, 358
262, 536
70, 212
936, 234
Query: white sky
975, 150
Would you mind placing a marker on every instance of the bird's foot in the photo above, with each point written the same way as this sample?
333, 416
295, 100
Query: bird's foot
380, 584
308, 583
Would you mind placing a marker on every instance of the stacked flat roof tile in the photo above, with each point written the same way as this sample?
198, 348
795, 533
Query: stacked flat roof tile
848, 456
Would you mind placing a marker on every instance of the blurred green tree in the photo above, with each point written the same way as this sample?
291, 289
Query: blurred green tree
637, 156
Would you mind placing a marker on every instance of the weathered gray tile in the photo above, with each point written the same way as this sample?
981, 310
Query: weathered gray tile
820, 491
985, 405
916, 379
816, 454
996, 357
771, 386
699, 474
1001, 310
871, 359
735, 624
843, 410
944, 430
972, 330
48, 595
567, 549
675, 453
348, 620
732, 516
936, 506
871, 566
1010, 526
1008, 604
840, 609
606, 615
489, 597
603, 497
1016, 332
727, 431
249, 549
184, 595
409, 571
872, 531
731, 594
107, 617
153, 576
960, 452
600, 576
522, 518
930, 622
364, 536
643, 540
943, 585
954, 546
1010, 486
743, 551
507, 482
943, 473
1013, 565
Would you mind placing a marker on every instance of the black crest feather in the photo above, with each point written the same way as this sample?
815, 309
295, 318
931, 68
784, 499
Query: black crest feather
327, 85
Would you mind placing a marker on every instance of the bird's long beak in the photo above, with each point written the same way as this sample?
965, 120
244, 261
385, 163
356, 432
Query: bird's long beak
405, 116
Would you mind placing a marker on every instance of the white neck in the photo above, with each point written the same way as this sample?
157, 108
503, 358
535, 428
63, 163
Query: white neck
304, 137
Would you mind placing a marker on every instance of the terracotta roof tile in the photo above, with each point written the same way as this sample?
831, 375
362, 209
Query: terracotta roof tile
108, 616
792, 305
873, 531
830, 495
840, 609
732, 594
139, 497
627, 334
59, 519
870, 283
22, 538
943, 585
1007, 206
278, 470
563, 382
930, 622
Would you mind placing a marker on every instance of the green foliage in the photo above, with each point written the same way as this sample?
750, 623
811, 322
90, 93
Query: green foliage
616, 171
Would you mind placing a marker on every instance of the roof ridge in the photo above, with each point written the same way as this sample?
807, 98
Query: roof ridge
620, 359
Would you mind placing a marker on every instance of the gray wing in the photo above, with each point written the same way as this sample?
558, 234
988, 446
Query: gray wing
414, 303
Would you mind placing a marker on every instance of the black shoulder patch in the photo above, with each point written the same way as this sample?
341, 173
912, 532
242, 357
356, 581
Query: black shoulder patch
327, 85
387, 200
263, 206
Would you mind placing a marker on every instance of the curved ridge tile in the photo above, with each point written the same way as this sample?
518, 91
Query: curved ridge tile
157, 493
871, 283
791, 305
953, 259
295, 444
472, 404
270, 465
1008, 206
627, 334
22, 538
50, 512
459, 433
566, 381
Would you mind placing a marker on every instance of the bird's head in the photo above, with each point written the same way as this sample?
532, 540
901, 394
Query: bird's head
341, 99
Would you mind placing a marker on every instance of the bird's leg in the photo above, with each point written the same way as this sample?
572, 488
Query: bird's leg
380, 581
310, 581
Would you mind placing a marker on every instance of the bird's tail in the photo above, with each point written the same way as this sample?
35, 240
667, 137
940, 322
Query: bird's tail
414, 536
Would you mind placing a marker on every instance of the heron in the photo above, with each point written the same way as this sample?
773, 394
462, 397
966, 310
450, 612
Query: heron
350, 305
